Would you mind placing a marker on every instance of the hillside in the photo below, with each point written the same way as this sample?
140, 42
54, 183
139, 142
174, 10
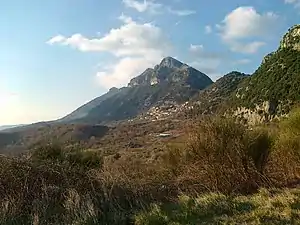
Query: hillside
218, 95
274, 86
17, 141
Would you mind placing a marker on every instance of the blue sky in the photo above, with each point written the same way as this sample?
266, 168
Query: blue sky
56, 55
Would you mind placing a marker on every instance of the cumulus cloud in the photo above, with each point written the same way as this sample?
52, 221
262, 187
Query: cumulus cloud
246, 23
117, 75
136, 46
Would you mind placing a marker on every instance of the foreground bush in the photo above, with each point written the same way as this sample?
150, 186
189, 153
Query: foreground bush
276, 207
285, 159
222, 155
58, 187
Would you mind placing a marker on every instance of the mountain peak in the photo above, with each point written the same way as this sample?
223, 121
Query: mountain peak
291, 39
171, 62
169, 71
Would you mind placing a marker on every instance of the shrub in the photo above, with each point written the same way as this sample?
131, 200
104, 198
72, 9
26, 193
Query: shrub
285, 158
223, 156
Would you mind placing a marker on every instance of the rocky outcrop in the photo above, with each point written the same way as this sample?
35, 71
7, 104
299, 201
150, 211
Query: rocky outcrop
291, 39
265, 112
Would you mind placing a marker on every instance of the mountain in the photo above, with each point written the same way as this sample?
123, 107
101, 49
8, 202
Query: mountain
274, 87
170, 81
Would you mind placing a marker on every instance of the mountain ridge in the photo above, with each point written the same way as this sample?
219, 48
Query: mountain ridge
171, 80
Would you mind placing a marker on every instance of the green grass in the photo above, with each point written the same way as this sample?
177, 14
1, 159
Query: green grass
265, 207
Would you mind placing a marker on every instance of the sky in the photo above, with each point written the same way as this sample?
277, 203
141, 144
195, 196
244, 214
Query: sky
57, 55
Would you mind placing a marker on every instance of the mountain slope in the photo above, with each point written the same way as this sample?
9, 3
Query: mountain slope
170, 81
218, 95
274, 87
82, 111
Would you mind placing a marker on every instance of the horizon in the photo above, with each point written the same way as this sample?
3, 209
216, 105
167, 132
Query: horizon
59, 55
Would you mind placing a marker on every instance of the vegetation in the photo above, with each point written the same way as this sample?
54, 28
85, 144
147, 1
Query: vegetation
218, 95
219, 164
265, 207
275, 80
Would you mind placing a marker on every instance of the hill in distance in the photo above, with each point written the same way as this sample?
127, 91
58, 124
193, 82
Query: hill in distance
6, 127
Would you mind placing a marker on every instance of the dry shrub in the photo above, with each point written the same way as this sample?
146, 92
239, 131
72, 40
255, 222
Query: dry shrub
284, 166
58, 187
222, 155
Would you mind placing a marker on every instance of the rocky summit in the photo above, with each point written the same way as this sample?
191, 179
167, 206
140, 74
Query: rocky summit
171, 70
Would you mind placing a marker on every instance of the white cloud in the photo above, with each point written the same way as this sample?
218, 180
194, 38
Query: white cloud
184, 12
56, 39
131, 38
146, 5
119, 74
208, 29
136, 46
246, 23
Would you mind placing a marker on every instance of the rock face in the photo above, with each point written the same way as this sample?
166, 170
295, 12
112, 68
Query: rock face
170, 81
